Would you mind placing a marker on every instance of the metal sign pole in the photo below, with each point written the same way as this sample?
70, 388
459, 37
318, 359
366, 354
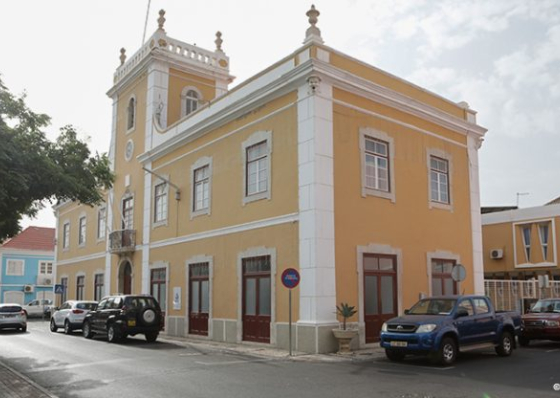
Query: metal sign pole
290, 319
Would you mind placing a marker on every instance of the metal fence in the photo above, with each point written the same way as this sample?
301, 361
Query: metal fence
511, 295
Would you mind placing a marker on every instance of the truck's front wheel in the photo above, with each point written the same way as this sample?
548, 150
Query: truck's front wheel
447, 352
505, 347
394, 355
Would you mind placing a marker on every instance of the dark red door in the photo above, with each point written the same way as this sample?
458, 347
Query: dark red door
199, 298
380, 293
256, 299
127, 279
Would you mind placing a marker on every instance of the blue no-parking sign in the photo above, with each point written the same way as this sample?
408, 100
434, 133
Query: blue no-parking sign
290, 278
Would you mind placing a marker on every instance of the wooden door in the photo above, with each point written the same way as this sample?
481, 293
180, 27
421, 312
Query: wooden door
199, 298
380, 293
127, 279
256, 299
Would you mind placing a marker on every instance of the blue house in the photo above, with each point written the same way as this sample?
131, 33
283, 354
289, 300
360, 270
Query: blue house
27, 267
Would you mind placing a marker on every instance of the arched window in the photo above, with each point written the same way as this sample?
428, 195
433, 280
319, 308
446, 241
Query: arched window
190, 99
131, 113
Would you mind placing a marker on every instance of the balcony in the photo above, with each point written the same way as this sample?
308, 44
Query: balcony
123, 241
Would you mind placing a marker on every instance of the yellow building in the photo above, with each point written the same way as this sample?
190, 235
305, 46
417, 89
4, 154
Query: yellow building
363, 182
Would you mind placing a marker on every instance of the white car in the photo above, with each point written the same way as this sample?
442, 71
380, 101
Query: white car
37, 307
12, 316
70, 315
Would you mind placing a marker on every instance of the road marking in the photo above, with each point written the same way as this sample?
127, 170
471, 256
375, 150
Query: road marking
233, 362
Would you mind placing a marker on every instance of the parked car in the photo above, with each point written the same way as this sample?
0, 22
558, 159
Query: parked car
37, 307
13, 316
71, 315
441, 327
542, 322
124, 315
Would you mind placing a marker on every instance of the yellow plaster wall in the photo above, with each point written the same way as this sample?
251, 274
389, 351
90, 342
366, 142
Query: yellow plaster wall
179, 80
225, 250
227, 173
71, 271
408, 224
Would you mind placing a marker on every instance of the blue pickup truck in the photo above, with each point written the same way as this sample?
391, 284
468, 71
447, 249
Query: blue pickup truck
441, 327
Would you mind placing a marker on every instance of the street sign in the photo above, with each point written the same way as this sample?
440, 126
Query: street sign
290, 278
58, 289
458, 273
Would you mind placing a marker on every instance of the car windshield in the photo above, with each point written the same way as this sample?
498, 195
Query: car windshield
86, 306
546, 306
433, 306
10, 308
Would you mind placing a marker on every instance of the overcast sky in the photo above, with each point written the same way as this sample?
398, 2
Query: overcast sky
501, 56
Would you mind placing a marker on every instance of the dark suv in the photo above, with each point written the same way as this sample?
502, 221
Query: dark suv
125, 315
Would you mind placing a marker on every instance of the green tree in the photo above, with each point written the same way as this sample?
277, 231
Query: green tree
34, 170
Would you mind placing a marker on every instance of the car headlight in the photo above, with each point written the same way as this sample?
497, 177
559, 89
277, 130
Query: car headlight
551, 323
429, 327
384, 327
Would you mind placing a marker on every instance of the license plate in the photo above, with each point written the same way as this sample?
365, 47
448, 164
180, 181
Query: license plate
399, 343
131, 322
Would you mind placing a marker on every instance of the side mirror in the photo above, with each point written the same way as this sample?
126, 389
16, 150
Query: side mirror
406, 312
461, 312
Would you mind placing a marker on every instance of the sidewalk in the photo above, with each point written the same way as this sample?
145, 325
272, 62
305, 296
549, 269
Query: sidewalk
15, 385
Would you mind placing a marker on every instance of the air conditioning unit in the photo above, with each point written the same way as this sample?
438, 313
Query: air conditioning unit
28, 288
496, 254
44, 279
47, 281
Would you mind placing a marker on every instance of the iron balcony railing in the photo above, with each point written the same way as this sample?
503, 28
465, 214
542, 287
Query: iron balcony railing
122, 241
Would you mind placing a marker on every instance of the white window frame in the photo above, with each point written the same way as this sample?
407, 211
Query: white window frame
164, 204
200, 163
82, 230
185, 99
434, 202
370, 133
66, 235
20, 263
544, 245
101, 223
128, 127
45, 264
526, 245
124, 198
257, 138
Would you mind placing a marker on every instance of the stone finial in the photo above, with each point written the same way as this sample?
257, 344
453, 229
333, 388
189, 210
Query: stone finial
313, 33
161, 20
218, 41
123, 56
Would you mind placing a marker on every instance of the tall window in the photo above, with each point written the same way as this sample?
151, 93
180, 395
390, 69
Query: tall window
442, 282
127, 212
15, 267
98, 287
160, 202
158, 287
191, 101
377, 164
257, 169
439, 180
131, 114
82, 231
101, 223
201, 188
527, 242
543, 235
66, 235
80, 286
45, 267
64, 295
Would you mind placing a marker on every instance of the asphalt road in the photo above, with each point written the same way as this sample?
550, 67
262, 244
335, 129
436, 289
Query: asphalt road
71, 366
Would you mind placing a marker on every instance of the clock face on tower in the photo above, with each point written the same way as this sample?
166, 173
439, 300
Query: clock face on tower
129, 150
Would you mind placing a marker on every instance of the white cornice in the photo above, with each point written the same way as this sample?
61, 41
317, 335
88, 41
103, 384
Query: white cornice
520, 215
80, 259
269, 222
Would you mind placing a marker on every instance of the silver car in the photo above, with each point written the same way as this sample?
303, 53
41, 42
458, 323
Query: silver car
71, 314
13, 316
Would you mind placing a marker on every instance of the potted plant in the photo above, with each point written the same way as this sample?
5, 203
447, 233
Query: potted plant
342, 334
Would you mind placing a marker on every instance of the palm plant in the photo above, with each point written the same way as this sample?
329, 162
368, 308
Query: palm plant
345, 311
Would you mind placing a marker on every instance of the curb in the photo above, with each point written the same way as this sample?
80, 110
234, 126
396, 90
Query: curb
39, 393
